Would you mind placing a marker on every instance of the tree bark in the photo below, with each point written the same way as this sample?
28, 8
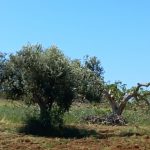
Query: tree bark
43, 106
111, 100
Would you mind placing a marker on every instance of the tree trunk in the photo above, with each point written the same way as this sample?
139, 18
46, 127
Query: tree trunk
43, 112
112, 102
43, 105
118, 109
121, 108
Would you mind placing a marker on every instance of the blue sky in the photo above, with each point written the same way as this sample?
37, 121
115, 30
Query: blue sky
117, 32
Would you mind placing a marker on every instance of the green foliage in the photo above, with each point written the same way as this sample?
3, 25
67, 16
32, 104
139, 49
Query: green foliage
89, 84
92, 79
2, 67
94, 65
142, 96
41, 76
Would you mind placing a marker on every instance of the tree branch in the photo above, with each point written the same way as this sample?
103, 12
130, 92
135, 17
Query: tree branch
133, 94
139, 85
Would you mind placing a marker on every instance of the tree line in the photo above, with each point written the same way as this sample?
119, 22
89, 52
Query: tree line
49, 79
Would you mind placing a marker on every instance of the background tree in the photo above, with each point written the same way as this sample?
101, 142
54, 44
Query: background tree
89, 78
2, 68
41, 76
94, 65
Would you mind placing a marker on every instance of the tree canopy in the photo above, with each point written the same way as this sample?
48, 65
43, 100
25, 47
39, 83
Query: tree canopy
41, 76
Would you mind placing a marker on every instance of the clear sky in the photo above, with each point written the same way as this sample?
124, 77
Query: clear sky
116, 31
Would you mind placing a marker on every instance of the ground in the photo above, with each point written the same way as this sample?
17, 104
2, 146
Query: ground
107, 138
77, 135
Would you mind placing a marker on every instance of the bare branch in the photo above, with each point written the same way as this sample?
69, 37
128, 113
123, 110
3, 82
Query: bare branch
133, 94
139, 85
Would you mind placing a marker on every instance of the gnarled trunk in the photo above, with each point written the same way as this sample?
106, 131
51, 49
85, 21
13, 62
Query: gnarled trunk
43, 106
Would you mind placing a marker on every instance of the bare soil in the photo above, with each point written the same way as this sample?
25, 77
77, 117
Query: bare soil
108, 138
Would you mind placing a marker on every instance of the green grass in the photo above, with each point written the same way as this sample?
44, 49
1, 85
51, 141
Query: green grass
17, 112
77, 113
139, 117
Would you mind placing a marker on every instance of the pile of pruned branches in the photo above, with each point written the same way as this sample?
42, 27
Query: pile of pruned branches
112, 119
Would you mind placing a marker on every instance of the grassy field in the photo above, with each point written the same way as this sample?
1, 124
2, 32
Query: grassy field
76, 134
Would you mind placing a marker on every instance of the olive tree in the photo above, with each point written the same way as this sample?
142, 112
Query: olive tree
118, 96
41, 76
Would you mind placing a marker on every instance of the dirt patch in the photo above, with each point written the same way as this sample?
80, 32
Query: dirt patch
110, 140
17, 142
111, 144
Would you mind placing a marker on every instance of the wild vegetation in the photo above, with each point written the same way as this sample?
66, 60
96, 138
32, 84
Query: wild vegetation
49, 101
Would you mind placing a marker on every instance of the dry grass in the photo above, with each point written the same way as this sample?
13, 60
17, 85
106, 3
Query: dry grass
108, 138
